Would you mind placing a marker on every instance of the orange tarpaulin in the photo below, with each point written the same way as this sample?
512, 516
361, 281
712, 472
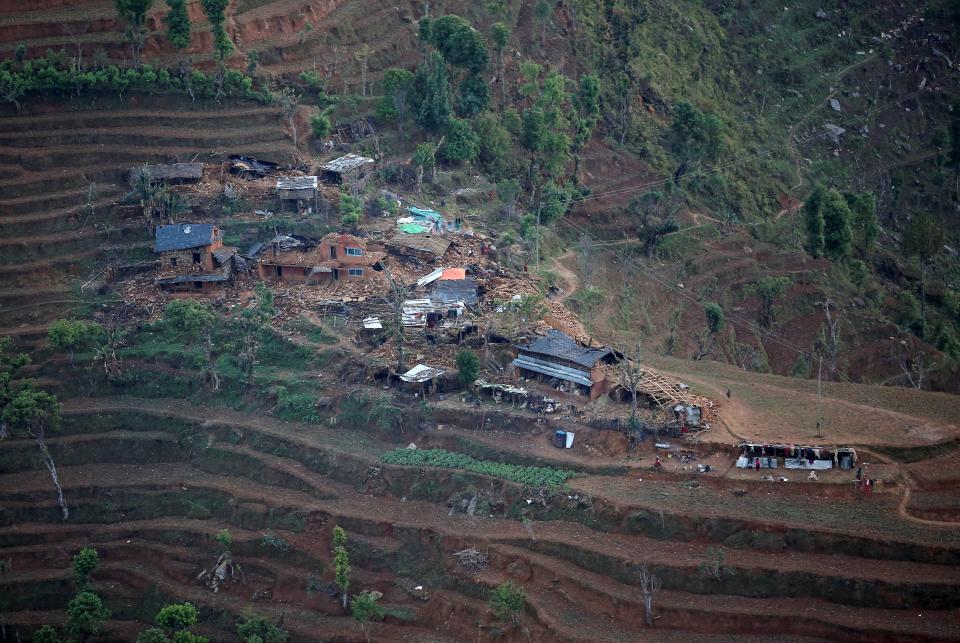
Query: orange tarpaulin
454, 273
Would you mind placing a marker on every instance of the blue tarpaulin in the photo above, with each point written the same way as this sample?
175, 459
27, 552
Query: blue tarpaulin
420, 213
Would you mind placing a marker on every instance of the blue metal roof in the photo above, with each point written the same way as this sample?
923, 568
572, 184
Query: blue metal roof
183, 235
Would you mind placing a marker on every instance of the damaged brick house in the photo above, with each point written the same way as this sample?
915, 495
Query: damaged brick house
192, 258
558, 357
334, 258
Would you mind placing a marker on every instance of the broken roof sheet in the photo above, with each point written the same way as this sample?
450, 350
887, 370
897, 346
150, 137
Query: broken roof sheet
372, 323
454, 273
345, 163
421, 373
169, 172
184, 235
297, 183
413, 228
424, 243
552, 369
249, 164
179, 279
430, 278
464, 290
557, 345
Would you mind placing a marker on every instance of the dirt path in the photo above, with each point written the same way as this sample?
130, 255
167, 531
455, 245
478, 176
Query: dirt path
570, 279
905, 501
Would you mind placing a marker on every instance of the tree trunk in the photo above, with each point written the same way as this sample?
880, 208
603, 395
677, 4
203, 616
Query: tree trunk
648, 609
503, 80
212, 363
419, 179
52, 468
923, 299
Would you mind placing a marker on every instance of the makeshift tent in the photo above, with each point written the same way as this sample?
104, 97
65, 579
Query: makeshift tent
424, 214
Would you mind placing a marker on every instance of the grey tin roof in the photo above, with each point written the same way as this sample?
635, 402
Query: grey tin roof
561, 346
183, 235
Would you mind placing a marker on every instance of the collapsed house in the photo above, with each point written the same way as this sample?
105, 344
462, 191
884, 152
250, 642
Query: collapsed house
302, 190
794, 456
351, 171
192, 258
425, 247
336, 256
558, 357
455, 286
249, 167
168, 173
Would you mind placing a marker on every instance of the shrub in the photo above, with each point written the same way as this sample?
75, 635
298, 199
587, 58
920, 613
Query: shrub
533, 476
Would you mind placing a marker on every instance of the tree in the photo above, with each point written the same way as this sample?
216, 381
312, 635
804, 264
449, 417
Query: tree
71, 335
362, 56
585, 116
289, 99
631, 370
866, 228
46, 634
320, 123
460, 44
712, 565
214, 10
424, 157
500, 35
507, 602
28, 412
364, 609
468, 367
251, 322
134, 13
177, 21
255, 628
432, 90
85, 615
695, 136
225, 539
813, 219
837, 234
716, 320
195, 322
544, 13
462, 143
473, 96
341, 563
397, 84
350, 207
85, 561
768, 290
923, 239
174, 623
494, 142
649, 586
657, 214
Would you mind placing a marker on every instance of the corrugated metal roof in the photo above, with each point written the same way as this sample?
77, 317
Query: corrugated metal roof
297, 183
553, 370
179, 279
562, 346
464, 290
183, 235
421, 373
345, 163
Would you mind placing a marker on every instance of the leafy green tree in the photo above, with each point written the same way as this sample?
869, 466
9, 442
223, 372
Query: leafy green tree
461, 142
716, 320
432, 91
586, 115
837, 234
225, 539
468, 367
71, 335
174, 623
255, 628
177, 22
153, 635
134, 13
364, 609
351, 207
768, 290
553, 203
695, 136
507, 602
460, 44
46, 634
341, 563
214, 10
252, 322
27, 412
923, 239
500, 35
656, 212
863, 221
534, 129
424, 157
544, 14
385, 415
813, 219
85, 615
397, 85
194, 322
473, 96
495, 144
85, 561
320, 124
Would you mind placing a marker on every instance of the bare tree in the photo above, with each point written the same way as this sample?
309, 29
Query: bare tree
362, 54
831, 339
649, 586
631, 372
289, 99
909, 355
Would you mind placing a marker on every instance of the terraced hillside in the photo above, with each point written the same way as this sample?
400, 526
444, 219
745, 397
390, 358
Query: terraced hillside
150, 483
64, 178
